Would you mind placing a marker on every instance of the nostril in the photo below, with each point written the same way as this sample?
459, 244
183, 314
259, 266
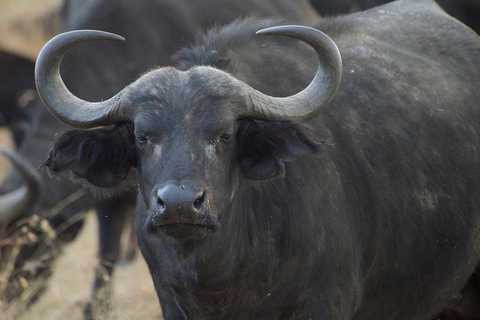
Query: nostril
160, 203
199, 201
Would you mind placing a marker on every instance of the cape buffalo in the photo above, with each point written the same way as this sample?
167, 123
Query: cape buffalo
160, 27
378, 219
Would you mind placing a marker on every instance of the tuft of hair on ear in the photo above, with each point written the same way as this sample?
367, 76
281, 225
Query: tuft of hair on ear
264, 146
99, 159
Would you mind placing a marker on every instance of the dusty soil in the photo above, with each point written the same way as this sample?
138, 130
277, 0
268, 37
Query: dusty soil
23, 30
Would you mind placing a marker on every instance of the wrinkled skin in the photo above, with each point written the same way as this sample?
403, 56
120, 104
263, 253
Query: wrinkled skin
383, 224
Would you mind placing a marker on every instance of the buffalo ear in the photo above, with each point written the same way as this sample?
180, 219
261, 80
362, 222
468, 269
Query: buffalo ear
264, 147
102, 156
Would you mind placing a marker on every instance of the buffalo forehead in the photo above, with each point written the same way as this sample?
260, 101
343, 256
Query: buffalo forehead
201, 96
170, 84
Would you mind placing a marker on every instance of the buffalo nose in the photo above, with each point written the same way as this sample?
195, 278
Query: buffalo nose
181, 198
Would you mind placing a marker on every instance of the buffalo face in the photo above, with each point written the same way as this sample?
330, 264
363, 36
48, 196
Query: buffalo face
189, 149
191, 135
185, 145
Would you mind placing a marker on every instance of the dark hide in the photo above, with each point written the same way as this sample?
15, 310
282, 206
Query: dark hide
384, 224
467, 11
154, 30
264, 147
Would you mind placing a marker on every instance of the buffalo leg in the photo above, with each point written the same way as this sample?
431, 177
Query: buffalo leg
131, 248
112, 215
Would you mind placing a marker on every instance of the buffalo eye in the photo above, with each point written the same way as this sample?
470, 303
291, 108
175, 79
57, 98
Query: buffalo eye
141, 139
225, 137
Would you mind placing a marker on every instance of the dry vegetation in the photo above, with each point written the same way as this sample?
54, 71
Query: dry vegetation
69, 287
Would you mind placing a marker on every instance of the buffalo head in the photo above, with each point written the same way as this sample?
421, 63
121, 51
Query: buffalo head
191, 135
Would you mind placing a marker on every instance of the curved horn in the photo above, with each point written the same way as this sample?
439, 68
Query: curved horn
310, 101
16, 203
58, 99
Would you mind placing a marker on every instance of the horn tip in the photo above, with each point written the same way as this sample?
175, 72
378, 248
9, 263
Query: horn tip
107, 35
287, 30
264, 31
89, 34
118, 37
277, 29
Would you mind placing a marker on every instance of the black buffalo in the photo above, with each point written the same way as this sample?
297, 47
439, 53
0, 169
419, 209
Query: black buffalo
156, 29
378, 219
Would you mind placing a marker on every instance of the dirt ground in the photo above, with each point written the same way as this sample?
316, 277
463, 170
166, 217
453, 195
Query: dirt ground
69, 288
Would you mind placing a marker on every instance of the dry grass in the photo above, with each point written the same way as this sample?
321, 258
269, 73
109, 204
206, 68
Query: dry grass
22, 31
69, 288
